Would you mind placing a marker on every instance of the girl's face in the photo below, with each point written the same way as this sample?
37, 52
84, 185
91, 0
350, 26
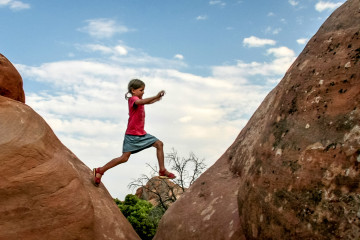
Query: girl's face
139, 92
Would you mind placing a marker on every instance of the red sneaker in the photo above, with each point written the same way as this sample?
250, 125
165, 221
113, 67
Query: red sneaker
166, 175
97, 180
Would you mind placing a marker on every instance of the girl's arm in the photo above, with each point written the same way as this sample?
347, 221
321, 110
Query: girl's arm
150, 100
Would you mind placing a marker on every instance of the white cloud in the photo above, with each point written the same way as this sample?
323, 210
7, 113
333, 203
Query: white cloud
72, 75
103, 28
302, 41
257, 42
322, 6
185, 119
133, 56
276, 31
14, 5
293, 2
97, 48
271, 14
273, 31
179, 57
281, 52
217, 2
121, 50
283, 57
143, 59
201, 17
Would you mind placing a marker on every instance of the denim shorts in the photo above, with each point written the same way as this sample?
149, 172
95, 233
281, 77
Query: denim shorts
134, 144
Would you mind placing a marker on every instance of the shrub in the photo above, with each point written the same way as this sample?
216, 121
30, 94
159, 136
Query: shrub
141, 214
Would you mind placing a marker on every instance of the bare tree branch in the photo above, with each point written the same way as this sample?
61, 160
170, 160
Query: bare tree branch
165, 191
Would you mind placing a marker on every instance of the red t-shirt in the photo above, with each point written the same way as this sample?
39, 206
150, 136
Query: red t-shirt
136, 121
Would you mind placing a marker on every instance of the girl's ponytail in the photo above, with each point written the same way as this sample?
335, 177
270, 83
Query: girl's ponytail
126, 95
134, 84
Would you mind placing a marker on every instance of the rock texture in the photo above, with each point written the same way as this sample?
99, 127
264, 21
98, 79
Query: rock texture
11, 84
293, 171
46, 191
156, 189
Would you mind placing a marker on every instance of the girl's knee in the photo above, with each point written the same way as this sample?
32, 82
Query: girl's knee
159, 144
125, 157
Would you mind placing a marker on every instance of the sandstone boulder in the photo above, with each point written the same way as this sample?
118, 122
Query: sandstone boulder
46, 191
293, 171
11, 84
156, 189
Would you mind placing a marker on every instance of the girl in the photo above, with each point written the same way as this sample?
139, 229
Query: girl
136, 139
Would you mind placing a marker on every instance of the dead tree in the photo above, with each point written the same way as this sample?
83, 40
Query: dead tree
164, 191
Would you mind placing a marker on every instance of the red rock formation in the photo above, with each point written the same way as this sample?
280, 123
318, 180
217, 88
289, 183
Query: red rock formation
11, 84
46, 191
207, 210
293, 171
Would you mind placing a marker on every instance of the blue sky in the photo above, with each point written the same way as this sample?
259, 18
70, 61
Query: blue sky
215, 59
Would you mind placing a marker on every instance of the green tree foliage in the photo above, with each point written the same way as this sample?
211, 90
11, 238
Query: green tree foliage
141, 214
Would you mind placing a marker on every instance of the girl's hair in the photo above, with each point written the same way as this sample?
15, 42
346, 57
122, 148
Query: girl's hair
134, 84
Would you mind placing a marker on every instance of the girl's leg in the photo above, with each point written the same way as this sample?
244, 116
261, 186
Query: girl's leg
113, 163
163, 173
160, 154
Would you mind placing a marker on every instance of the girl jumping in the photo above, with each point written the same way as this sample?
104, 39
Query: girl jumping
136, 139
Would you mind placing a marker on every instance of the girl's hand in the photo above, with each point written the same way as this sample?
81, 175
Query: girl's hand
161, 94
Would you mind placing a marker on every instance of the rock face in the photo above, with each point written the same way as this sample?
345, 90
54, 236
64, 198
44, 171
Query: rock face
293, 171
207, 210
11, 84
46, 191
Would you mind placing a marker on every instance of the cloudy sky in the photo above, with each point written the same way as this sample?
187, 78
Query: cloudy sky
216, 60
